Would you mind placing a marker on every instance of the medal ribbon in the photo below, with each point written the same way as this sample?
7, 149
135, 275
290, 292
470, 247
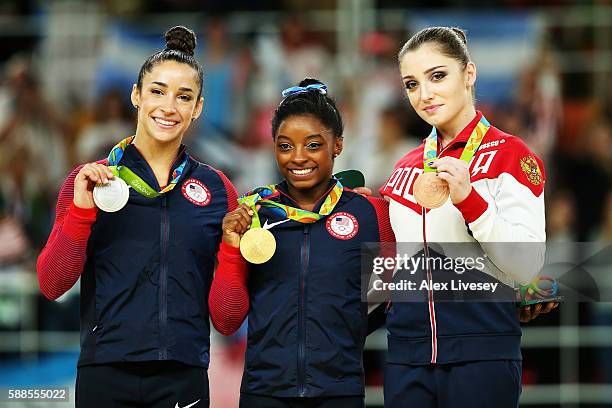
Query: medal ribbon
132, 179
263, 196
431, 144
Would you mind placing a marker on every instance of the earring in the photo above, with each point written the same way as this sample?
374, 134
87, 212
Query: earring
335, 155
136, 106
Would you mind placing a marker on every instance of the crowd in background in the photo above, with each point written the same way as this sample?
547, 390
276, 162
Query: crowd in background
560, 116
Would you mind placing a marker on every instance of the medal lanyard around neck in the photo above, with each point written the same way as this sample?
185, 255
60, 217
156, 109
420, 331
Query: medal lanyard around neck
131, 178
430, 150
263, 196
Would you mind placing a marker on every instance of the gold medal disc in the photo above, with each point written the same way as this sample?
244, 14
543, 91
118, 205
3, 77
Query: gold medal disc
257, 245
430, 191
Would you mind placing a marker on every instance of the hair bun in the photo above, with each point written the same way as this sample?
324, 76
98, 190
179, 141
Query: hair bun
461, 34
310, 81
181, 38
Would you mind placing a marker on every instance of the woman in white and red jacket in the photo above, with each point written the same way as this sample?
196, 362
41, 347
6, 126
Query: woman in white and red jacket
461, 354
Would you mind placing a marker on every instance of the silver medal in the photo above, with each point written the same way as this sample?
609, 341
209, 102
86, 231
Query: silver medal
112, 196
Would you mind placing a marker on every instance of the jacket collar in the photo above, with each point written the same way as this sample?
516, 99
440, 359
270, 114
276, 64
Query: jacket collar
135, 161
461, 139
285, 198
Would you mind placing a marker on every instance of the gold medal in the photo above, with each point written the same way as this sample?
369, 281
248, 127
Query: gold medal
430, 191
257, 245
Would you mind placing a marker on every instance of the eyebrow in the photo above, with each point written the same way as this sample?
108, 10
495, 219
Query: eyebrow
307, 137
165, 85
427, 71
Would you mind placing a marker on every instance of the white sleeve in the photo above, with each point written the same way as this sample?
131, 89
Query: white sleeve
512, 228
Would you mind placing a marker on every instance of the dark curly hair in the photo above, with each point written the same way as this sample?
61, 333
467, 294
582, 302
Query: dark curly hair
313, 103
180, 45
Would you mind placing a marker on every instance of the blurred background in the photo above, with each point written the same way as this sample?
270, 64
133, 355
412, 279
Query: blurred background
66, 70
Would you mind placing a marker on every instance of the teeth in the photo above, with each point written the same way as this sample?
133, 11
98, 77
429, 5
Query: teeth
165, 122
301, 172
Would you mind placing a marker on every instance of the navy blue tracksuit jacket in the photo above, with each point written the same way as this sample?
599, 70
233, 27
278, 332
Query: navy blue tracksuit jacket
145, 283
307, 323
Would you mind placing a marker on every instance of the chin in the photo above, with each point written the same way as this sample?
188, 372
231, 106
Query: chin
162, 137
301, 184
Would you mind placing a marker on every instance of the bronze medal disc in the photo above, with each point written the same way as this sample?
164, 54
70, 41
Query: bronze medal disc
430, 191
257, 245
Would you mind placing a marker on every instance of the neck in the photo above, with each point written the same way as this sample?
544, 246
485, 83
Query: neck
159, 156
307, 199
448, 131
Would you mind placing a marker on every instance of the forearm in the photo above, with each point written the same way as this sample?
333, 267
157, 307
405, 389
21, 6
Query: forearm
229, 297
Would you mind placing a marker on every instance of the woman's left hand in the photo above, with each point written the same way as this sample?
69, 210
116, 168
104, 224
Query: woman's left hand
456, 173
528, 313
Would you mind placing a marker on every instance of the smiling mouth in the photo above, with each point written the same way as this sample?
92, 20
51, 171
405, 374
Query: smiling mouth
301, 172
165, 123
431, 108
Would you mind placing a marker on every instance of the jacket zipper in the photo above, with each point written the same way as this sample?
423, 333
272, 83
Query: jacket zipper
302, 313
430, 299
163, 279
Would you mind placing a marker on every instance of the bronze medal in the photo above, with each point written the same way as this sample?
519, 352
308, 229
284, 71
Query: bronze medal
257, 245
430, 191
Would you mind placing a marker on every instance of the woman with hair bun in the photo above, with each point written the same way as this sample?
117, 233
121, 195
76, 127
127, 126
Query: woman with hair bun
307, 323
472, 183
141, 229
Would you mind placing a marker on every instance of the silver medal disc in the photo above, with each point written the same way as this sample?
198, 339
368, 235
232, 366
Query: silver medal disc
112, 196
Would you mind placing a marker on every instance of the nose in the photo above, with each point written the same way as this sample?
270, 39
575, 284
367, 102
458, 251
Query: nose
299, 156
425, 92
168, 104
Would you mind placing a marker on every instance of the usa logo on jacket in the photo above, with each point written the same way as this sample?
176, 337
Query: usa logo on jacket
342, 225
196, 192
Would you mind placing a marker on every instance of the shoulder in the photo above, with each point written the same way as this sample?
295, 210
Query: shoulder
504, 155
206, 171
366, 202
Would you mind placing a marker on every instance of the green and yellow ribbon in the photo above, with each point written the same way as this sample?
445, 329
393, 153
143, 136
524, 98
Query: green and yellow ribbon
430, 150
131, 178
264, 195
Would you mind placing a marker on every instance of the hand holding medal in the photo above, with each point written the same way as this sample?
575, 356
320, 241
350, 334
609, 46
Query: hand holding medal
242, 228
432, 189
455, 175
85, 181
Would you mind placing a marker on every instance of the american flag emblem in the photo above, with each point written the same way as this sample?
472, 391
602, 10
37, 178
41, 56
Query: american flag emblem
342, 225
196, 192
343, 221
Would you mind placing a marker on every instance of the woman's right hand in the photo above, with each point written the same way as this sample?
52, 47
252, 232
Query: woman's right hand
236, 223
85, 181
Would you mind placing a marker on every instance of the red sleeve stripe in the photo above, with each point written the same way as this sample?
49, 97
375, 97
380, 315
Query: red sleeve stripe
228, 301
472, 207
232, 194
385, 231
61, 261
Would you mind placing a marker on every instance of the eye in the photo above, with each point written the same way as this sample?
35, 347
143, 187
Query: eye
185, 98
283, 147
438, 76
313, 145
410, 85
156, 91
